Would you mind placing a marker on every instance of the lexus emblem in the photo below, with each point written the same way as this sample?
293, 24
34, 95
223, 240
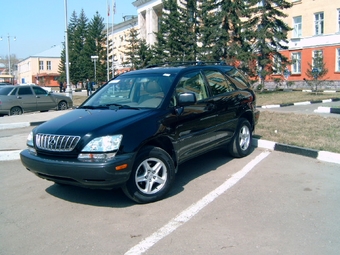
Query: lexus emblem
51, 142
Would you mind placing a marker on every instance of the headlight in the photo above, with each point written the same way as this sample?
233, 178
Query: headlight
103, 144
29, 141
101, 148
30, 144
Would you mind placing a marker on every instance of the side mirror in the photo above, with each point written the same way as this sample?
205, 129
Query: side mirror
186, 98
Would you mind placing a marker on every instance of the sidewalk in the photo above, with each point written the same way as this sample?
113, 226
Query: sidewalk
28, 119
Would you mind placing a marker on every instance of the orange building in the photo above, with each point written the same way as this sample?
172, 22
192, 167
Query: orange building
316, 31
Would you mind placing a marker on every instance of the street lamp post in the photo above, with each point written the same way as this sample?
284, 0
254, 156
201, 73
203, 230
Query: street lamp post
9, 52
67, 65
94, 60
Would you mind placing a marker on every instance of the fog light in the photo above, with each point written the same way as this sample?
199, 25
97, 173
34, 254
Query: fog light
32, 151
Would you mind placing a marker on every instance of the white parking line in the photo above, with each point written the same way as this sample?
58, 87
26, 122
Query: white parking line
191, 211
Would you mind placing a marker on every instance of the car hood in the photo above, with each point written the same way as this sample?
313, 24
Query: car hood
82, 122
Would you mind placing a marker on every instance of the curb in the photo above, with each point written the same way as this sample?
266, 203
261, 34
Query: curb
20, 125
326, 156
331, 110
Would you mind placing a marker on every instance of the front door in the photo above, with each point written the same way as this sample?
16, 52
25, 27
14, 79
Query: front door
195, 125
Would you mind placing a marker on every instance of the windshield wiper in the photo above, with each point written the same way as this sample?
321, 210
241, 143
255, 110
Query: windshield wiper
109, 106
120, 106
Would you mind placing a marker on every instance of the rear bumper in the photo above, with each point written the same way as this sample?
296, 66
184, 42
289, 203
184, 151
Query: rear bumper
256, 116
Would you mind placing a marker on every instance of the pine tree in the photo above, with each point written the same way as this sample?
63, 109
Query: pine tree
132, 49
190, 16
169, 47
316, 71
212, 38
269, 34
138, 52
77, 55
223, 34
70, 34
95, 40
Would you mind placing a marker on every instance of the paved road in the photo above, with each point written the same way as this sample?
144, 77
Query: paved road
306, 109
281, 204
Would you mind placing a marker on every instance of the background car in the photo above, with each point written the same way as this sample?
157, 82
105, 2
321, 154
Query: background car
4, 83
15, 100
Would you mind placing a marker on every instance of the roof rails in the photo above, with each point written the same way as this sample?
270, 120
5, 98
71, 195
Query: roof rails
188, 63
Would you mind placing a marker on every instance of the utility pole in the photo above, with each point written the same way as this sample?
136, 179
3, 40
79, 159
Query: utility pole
67, 67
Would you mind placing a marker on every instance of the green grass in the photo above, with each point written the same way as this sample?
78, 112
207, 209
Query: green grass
282, 97
303, 130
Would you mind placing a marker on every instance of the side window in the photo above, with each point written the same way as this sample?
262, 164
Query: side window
192, 82
25, 91
39, 91
218, 83
14, 92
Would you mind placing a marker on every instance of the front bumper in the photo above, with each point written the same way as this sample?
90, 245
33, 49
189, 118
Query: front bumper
101, 175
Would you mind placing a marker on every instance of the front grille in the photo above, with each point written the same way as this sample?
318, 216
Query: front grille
58, 143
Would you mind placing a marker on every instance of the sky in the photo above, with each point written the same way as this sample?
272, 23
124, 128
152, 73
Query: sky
38, 25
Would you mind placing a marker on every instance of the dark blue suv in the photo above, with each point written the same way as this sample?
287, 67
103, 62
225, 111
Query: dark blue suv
135, 130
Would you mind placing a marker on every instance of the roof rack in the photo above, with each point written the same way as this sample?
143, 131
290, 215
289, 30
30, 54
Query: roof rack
188, 63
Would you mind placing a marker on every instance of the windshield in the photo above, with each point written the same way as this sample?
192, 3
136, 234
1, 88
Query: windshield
138, 91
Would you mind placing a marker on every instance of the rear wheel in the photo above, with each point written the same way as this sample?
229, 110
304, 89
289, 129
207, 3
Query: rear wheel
240, 145
151, 177
16, 110
62, 106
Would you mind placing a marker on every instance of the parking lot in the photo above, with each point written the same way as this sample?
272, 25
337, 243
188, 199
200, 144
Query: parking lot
266, 203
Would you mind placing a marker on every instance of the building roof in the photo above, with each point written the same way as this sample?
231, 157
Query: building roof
53, 52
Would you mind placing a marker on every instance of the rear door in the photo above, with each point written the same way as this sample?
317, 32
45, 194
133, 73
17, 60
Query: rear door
44, 100
226, 102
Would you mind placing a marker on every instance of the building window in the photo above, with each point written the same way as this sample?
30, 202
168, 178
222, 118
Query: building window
319, 19
317, 58
339, 20
297, 27
338, 59
49, 65
41, 65
276, 64
296, 66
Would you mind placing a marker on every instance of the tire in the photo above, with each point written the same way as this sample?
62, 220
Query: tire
16, 110
240, 145
62, 106
152, 176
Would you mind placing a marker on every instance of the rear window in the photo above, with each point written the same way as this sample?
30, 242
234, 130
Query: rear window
238, 79
5, 91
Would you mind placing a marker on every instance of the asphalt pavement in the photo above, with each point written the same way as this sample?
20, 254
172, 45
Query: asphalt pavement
10, 150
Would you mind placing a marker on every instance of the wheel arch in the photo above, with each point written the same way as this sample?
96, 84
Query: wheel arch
164, 143
16, 106
248, 115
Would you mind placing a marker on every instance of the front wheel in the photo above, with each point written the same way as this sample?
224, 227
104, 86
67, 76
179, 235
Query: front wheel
240, 145
152, 176
62, 106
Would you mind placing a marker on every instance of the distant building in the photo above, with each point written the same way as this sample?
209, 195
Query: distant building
42, 68
119, 37
316, 32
